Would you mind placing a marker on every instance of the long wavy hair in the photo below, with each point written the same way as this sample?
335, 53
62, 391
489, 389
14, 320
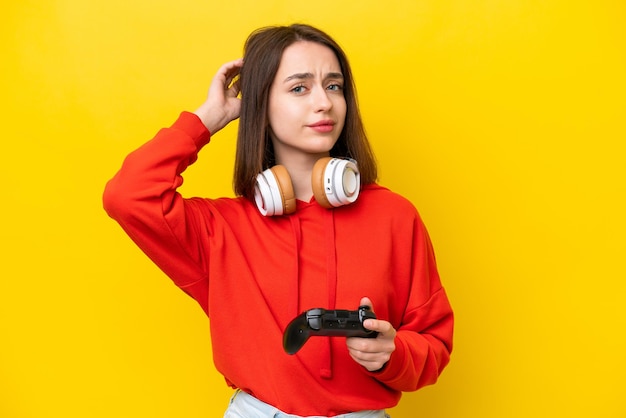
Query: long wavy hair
262, 55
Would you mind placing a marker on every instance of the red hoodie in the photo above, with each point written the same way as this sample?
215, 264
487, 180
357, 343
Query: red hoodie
253, 274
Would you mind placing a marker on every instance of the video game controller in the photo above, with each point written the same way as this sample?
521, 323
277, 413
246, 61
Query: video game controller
331, 323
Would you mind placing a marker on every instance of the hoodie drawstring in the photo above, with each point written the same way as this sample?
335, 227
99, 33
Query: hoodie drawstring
295, 283
331, 279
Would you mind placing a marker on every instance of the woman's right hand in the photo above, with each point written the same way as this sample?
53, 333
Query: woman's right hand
222, 104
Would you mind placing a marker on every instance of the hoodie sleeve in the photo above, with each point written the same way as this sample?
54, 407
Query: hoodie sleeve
424, 338
142, 198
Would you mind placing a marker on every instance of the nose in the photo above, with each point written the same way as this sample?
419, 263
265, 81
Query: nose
321, 100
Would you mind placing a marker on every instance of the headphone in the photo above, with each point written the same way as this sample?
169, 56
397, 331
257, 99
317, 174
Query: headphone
335, 181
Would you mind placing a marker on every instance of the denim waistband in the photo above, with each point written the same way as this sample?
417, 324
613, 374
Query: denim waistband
243, 405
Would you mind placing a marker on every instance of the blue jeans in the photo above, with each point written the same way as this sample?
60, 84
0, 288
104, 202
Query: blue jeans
243, 405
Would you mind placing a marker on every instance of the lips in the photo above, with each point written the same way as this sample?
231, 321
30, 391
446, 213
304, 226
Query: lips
322, 126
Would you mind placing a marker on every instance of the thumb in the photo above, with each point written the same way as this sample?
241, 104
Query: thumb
365, 301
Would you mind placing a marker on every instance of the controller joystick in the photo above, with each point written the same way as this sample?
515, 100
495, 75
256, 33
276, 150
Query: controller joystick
330, 323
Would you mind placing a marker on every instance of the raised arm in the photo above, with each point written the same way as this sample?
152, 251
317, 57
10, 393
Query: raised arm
143, 198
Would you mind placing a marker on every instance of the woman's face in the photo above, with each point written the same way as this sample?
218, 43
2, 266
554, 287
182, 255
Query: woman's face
307, 108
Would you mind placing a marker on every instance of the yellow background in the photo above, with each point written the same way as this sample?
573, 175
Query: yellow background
503, 121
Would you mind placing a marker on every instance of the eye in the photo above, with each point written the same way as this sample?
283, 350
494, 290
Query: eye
298, 89
335, 87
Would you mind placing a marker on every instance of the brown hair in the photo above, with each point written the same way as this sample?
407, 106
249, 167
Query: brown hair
262, 55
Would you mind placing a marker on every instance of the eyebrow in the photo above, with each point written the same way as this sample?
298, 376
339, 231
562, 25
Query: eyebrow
305, 76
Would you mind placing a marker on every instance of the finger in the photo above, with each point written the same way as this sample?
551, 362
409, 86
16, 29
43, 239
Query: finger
234, 65
371, 363
224, 77
363, 345
234, 89
365, 355
230, 66
365, 301
228, 71
372, 360
232, 77
382, 327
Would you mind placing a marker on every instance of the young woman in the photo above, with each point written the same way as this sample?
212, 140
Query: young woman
291, 240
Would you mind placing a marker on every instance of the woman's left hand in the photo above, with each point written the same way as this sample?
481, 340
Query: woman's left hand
373, 353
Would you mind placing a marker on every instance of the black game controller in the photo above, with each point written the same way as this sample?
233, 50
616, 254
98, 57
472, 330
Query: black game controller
322, 322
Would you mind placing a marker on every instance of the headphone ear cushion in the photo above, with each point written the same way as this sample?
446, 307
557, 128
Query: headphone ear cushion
285, 187
335, 182
317, 182
274, 193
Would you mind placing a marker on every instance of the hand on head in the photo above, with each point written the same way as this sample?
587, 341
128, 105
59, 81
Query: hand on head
222, 104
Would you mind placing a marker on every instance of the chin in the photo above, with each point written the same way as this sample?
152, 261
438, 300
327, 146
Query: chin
319, 146
322, 146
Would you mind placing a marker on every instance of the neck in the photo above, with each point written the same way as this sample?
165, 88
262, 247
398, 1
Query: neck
300, 170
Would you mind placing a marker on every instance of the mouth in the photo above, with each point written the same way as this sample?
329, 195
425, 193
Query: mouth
322, 126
